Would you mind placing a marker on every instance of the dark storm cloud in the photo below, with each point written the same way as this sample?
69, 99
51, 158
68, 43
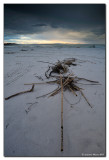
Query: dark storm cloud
20, 17
39, 25
24, 19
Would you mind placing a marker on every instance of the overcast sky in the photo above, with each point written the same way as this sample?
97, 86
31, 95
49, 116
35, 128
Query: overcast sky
54, 23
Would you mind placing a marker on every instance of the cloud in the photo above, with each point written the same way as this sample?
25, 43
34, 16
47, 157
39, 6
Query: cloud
60, 35
61, 21
79, 17
39, 25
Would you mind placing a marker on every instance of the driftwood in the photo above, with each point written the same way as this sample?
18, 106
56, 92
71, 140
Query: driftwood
64, 84
88, 84
57, 91
70, 83
85, 98
72, 91
61, 114
59, 68
20, 93
86, 80
47, 72
47, 93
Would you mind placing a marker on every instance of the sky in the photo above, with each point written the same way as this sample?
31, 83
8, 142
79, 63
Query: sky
54, 23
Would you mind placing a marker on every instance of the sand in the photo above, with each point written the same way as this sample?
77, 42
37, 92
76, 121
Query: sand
37, 132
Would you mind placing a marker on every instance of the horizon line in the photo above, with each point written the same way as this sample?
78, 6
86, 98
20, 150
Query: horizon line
53, 43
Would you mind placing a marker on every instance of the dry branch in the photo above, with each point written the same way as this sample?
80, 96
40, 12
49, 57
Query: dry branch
61, 114
47, 93
86, 80
87, 84
20, 93
58, 90
64, 84
85, 98
72, 91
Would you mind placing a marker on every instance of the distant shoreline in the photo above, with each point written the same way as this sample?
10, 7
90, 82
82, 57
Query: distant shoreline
49, 44
10, 43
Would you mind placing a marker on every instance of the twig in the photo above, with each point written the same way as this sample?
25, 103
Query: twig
64, 84
20, 93
41, 82
61, 114
85, 98
46, 93
72, 91
55, 76
88, 84
86, 79
47, 72
69, 76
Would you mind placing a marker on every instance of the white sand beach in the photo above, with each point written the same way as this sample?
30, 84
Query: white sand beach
36, 130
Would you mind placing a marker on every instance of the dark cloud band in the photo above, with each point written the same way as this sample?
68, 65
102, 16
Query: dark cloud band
38, 18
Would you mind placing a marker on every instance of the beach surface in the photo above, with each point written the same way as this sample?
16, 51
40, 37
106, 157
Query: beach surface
35, 130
